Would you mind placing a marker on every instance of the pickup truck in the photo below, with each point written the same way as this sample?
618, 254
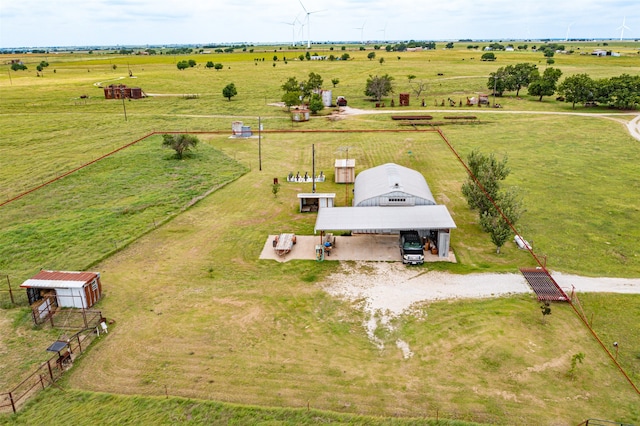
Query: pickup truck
411, 248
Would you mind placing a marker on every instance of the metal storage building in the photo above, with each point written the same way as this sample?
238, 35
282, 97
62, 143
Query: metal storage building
388, 199
391, 185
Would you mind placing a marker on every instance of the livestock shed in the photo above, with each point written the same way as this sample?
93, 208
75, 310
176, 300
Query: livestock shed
388, 199
65, 289
119, 91
345, 170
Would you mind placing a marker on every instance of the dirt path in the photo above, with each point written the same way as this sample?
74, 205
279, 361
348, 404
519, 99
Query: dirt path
632, 125
386, 290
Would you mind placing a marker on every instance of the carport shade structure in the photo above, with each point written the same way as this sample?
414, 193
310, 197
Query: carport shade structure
387, 219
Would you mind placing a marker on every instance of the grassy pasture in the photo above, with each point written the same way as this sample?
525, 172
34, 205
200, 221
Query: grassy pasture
267, 334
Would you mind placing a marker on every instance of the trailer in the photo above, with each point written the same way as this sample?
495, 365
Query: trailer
283, 243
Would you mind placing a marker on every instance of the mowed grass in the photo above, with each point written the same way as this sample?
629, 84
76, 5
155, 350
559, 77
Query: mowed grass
197, 313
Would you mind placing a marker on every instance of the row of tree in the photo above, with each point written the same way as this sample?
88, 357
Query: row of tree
297, 92
621, 92
498, 209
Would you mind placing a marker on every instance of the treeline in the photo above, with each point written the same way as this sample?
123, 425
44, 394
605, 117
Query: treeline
622, 92
401, 47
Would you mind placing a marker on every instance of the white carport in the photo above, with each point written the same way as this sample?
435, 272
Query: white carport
390, 220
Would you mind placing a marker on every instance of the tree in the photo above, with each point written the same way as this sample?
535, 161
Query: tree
381, 60
493, 222
449, 45
499, 81
315, 104
229, 91
209, 64
17, 66
275, 188
621, 92
292, 92
181, 144
335, 81
314, 82
544, 85
379, 86
577, 88
192, 63
371, 55
182, 65
345, 56
489, 56
488, 172
575, 359
417, 86
520, 75
217, 66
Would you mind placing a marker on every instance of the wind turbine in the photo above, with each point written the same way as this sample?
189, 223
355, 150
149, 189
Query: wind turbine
293, 29
308, 23
568, 29
622, 28
361, 31
384, 32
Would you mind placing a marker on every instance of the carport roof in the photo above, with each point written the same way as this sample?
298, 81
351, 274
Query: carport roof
384, 218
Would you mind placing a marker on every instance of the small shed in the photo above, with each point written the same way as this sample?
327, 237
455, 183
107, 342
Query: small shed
312, 202
345, 170
300, 114
65, 289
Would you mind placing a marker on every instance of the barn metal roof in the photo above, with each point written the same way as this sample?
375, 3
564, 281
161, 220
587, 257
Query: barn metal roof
317, 195
345, 162
59, 279
384, 218
390, 178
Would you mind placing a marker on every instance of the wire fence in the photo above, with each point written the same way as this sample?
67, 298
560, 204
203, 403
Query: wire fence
51, 370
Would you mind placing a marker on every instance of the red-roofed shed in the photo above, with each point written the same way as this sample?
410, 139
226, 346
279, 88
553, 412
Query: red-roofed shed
71, 289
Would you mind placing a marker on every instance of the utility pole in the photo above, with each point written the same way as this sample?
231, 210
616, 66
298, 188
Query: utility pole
259, 144
313, 168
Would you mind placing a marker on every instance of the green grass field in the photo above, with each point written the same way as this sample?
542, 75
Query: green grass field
199, 317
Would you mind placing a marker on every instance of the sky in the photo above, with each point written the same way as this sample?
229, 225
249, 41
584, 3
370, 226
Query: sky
48, 23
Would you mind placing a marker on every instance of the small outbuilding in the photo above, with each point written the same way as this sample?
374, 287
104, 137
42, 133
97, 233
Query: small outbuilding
312, 202
345, 170
64, 289
300, 114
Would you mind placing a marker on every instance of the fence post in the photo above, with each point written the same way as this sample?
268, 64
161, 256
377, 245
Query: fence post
10, 292
84, 317
50, 372
79, 344
13, 405
41, 381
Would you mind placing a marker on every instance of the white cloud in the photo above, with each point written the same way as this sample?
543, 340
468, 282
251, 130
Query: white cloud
94, 22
